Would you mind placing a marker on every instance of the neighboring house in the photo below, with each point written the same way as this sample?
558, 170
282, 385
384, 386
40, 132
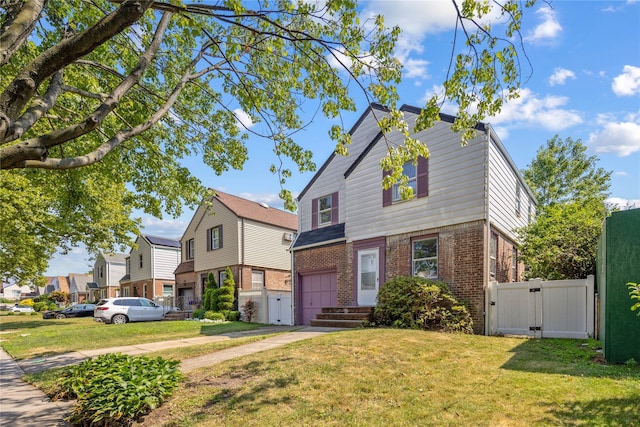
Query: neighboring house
60, 283
354, 236
250, 238
149, 268
79, 288
15, 292
107, 272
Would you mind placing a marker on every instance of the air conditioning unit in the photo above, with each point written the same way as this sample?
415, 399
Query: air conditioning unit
288, 237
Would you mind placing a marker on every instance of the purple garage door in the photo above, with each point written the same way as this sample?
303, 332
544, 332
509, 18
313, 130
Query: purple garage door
318, 290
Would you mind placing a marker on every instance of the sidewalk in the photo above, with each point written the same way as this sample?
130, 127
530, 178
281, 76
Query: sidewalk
22, 405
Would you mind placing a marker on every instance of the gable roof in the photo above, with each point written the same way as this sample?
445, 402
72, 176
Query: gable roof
115, 258
480, 126
80, 281
63, 284
161, 241
244, 208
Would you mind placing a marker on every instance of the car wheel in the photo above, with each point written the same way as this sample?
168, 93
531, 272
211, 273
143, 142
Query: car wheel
60, 316
119, 319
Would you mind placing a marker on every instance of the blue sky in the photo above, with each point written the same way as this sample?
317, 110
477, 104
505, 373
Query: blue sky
582, 80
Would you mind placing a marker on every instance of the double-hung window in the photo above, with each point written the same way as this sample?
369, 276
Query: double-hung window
257, 279
411, 172
190, 248
493, 256
424, 257
324, 210
214, 238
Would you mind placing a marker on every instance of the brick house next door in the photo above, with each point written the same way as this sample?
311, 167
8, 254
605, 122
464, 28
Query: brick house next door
317, 290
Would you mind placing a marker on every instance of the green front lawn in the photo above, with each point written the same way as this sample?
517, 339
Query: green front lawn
25, 337
384, 377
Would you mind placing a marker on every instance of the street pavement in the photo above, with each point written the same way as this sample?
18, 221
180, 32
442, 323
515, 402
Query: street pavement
22, 405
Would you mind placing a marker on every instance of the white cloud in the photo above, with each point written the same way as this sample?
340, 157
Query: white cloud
243, 119
623, 204
529, 109
560, 76
621, 173
548, 29
627, 83
621, 138
169, 228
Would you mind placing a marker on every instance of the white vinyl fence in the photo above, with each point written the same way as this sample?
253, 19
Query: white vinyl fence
543, 309
272, 307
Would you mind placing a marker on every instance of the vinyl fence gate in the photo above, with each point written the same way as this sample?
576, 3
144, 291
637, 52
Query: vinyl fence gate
543, 309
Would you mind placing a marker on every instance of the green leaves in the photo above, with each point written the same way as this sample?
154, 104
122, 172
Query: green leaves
115, 389
634, 292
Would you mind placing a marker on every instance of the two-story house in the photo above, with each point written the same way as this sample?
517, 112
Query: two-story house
354, 236
250, 238
149, 268
79, 290
108, 269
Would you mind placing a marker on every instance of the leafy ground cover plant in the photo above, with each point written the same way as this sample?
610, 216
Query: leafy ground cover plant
634, 291
116, 389
418, 303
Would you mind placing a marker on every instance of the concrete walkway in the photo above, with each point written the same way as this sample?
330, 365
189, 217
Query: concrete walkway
22, 405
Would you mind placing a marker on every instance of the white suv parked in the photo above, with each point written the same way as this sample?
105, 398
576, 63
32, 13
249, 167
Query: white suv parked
127, 309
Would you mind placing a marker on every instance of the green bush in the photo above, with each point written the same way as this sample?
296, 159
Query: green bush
210, 298
214, 315
199, 313
417, 303
116, 389
231, 315
40, 306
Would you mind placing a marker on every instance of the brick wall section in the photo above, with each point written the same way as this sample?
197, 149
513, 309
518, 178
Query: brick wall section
504, 261
277, 280
336, 258
460, 264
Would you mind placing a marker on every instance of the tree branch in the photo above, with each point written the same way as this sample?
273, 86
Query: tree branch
17, 27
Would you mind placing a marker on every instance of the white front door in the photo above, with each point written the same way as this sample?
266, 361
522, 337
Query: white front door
368, 272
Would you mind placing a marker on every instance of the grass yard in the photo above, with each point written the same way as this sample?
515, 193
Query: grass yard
384, 377
25, 337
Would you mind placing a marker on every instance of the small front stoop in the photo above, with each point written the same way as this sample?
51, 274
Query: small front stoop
177, 315
343, 317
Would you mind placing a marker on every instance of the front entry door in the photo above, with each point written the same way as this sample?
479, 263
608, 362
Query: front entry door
368, 276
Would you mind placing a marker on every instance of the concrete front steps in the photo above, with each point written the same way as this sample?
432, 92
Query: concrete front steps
177, 315
343, 317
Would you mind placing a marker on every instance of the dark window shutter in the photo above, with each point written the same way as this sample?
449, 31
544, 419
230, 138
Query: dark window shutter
208, 240
334, 208
387, 198
219, 236
422, 177
314, 214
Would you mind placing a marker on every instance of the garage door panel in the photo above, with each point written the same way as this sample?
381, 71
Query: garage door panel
317, 291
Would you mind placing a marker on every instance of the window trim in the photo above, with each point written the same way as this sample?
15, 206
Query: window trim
518, 197
253, 283
325, 210
437, 257
493, 256
190, 249
211, 240
422, 183
140, 263
395, 193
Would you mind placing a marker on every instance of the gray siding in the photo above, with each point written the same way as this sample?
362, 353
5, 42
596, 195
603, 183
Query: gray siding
331, 179
265, 246
503, 180
165, 261
456, 188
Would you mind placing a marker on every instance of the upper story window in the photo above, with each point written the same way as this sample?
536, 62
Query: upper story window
214, 238
518, 191
418, 176
101, 271
411, 171
424, 258
190, 249
140, 260
128, 265
324, 211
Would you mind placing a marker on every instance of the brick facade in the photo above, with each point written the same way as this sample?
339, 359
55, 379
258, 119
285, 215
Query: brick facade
461, 263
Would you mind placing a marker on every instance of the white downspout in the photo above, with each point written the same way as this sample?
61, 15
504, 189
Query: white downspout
487, 248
